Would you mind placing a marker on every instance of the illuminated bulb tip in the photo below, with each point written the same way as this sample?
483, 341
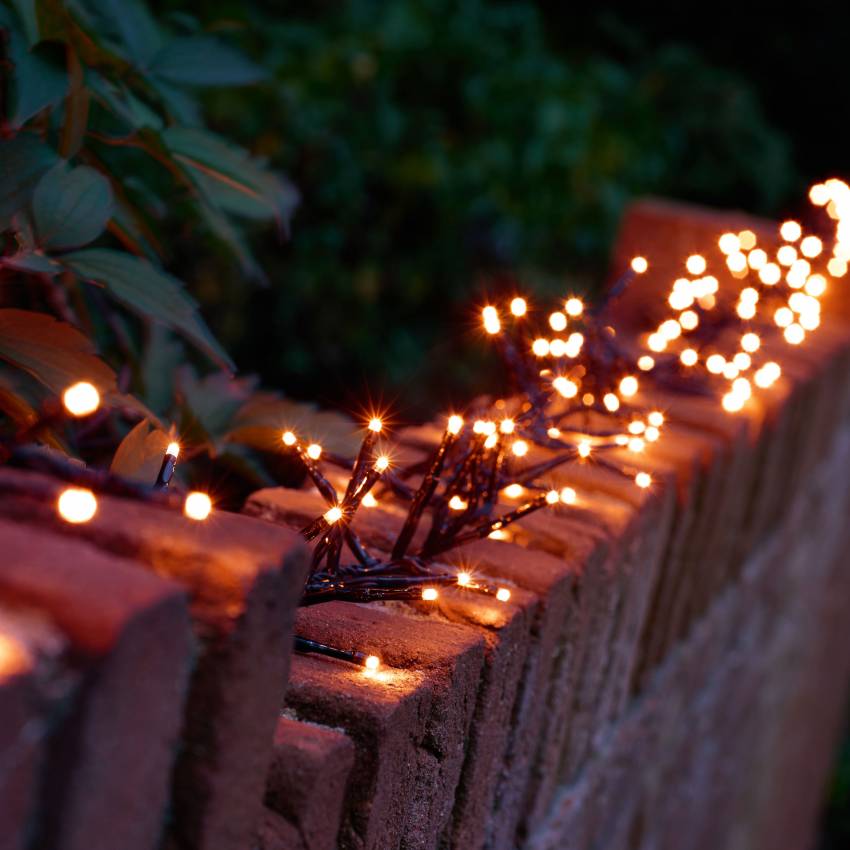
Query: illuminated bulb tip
314, 451
519, 307
463, 579
733, 402
173, 449
382, 463
553, 497
636, 445
429, 594
197, 505
611, 402
372, 663
375, 425
288, 438
492, 324
639, 265
507, 426
747, 239
729, 243
819, 194
540, 347
457, 504
689, 357
503, 594
695, 264
811, 247
750, 342
520, 448
628, 386
568, 496
656, 418
584, 449
646, 363
491, 441
643, 480
81, 399
77, 505
565, 387
455, 424
554, 433
558, 322
794, 334
369, 501
790, 231
574, 307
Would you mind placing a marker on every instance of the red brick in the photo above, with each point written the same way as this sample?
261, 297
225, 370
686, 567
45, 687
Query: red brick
308, 779
109, 766
244, 579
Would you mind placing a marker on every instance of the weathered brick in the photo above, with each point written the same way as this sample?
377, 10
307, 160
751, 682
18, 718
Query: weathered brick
308, 779
244, 578
109, 762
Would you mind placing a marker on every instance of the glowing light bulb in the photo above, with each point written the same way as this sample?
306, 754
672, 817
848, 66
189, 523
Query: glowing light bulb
715, 363
695, 264
553, 497
557, 348
514, 491
656, 418
767, 375
369, 501
503, 594
794, 334
372, 663
574, 344
750, 342
519, 448
809, 321
173, 449
730, 370
554, 433
646, 363
81, 399
454, 424
742, 361
790, 231
568, 496
783, 317
656, 343
670, 329
816, 285
729, 243
747, 239
688, 320
333, 515
636, 445
558, 322
464, 579
519, 307
197, 506
314, 451
819, 195
565, 387
643, 480
506, 426
458, 504
689, 357
732, 402
786, 255
639, 265
376, 425
382, 463
681, 299
837, 267
288, 438
770, 274
540, 347
628, 386
746, 309
498, 534
492, 323
491, 441
651, 434
811, 246
757, 259
611, 402
574, 307
429, 594
736, 262
584, 449
637, 427
77, 505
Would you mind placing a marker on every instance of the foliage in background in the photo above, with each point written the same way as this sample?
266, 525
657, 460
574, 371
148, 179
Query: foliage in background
106, 168
442, 148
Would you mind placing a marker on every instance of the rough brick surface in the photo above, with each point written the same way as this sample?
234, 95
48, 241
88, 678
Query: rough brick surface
108, 762
243, 578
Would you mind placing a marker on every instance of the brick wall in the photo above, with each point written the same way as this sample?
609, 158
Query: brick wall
670, 670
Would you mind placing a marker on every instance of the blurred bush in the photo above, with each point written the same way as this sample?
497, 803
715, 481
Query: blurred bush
442, 149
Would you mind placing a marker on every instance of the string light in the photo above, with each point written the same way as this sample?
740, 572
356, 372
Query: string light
197, 506
429, 594
574, 307
492, 324
77, 505
558, 322
375, 424
790, 231
81, 399
643, 480
639, 265
314, 451
519, 307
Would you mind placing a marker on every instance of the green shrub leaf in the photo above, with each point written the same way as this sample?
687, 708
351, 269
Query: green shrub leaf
39, 81
71, 206
149, 292
23, 160
53, 352
204, 61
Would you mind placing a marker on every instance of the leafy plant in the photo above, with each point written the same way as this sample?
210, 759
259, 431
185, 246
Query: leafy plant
105, 166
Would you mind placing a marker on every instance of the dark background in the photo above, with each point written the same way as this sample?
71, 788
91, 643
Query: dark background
445, 151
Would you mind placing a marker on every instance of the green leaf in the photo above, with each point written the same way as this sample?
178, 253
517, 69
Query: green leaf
28, 261
28, 18
149, 292
204, 61
23, 160
39, 79
139, 455
123, 103
53, 352
214, 400
71, 206
233, 171
128, 21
